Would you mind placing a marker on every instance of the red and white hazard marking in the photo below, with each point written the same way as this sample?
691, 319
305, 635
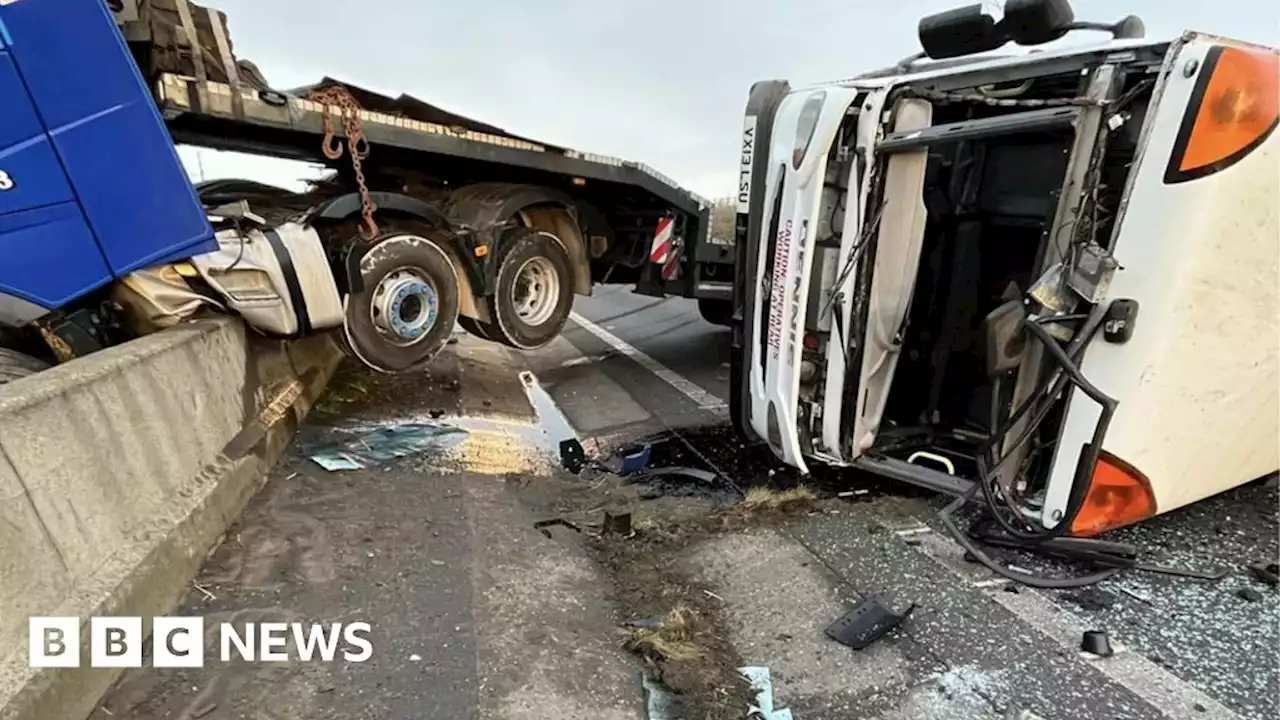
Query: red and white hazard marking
663, 240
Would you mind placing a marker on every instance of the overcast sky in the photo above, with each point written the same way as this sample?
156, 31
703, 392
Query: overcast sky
661, 81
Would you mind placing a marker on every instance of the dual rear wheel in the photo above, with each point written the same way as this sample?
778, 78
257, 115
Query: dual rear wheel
409, 305
533, 294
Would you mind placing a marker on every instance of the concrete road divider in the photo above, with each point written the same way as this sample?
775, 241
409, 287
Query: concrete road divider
120, 471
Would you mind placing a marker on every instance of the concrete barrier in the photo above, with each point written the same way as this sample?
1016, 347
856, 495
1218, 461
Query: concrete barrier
120, 471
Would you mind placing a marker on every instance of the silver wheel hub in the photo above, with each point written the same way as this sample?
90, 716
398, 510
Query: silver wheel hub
536, 291
405, 306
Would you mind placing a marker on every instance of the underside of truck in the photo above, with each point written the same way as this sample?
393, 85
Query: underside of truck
978, 260
990, 201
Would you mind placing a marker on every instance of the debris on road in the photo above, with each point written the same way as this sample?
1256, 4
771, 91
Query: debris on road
672, 639
703, 476
1266, 572
660, 703
617, 524
573, 457
682, 481
1097, 642
1136, 596
383, 444
762, 684
336, 461
866, 623
1091, 599
634, 459
542, 525
559, 432
1249, 595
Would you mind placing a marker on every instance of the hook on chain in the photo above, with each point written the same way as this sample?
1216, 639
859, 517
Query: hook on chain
357, 146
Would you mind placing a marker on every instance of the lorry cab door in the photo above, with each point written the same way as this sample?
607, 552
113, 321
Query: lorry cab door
897, 249
805, 126
48, 255
101, 120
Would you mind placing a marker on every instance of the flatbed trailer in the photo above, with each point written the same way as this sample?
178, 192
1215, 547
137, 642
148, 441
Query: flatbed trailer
632, 197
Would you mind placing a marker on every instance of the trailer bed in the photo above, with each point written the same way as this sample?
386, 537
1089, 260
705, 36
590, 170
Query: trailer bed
212, 114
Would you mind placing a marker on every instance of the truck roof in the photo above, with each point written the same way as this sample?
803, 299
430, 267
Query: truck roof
286, 124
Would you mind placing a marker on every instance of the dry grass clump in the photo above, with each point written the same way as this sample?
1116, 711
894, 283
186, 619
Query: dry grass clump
673, 639
765, 498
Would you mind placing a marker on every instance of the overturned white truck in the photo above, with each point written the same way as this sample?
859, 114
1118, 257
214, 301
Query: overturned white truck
1046, 282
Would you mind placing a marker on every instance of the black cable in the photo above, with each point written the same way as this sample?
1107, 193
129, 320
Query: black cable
1058, 381
1068, 370
1034, 581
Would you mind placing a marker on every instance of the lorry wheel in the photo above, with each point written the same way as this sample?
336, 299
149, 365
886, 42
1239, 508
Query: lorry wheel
716, 312
409, 305
534, 292
15, 365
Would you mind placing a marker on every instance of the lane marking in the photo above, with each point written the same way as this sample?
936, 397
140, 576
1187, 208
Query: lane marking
702, 398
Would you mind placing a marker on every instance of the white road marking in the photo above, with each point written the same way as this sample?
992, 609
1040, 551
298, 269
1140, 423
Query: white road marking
704, 399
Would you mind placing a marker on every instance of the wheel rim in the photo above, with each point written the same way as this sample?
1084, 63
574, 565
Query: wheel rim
535, 294
405, 306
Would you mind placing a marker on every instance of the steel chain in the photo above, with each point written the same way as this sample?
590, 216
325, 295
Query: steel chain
337, 96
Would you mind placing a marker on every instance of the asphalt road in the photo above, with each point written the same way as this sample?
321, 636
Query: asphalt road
477, 615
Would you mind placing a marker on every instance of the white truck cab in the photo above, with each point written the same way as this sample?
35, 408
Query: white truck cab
1046, 280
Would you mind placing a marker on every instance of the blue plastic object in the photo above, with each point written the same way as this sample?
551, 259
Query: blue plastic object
92, 187
635, 459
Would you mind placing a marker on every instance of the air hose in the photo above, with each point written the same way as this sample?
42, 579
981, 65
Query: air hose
1069, 372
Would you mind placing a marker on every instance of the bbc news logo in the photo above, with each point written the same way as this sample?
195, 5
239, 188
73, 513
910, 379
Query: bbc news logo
179, 642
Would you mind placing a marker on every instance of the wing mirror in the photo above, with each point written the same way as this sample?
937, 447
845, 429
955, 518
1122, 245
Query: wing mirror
968, 30
959, 32
1035, 22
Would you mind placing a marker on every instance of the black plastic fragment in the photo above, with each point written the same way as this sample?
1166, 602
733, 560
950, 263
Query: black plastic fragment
704, 476
1266, 572
1097, 642
542, 525
1249, 595
572, 456
1092, 599
619, 524
865, 624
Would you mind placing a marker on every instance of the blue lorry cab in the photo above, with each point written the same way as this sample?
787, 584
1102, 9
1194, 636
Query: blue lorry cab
91, 187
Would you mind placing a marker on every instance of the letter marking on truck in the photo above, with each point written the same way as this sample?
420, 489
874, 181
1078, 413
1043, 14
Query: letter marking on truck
6, 182
744, 169
794, 300
777, 288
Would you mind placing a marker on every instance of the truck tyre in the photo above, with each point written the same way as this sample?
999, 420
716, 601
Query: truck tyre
409, 305
15, 365
534, 291
716, 312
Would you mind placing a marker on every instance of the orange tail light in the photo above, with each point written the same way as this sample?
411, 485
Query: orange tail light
1118, 495
1235, 106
